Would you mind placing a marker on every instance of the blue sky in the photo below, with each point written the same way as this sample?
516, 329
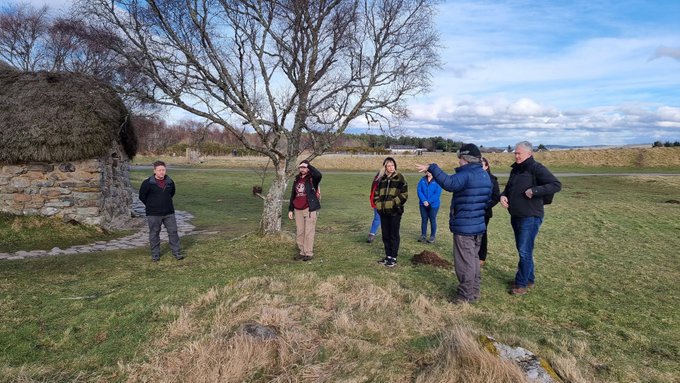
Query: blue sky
552, 72
555, 72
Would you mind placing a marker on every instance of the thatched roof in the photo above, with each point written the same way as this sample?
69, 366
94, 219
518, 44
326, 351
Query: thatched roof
55, 117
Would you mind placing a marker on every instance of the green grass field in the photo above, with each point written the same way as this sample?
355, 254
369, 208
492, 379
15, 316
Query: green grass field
604, 309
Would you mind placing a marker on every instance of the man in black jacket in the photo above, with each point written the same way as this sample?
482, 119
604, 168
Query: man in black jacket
304, 205
156, 193
523, 196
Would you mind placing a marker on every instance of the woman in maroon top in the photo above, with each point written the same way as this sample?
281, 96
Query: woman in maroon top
304, 205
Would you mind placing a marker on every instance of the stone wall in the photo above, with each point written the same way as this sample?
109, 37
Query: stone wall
93, 192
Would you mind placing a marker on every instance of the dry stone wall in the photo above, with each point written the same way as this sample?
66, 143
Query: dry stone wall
92, 192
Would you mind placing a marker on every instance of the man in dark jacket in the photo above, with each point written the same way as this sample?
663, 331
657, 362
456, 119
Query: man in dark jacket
523, 196
304, 205
156, 193
471, 187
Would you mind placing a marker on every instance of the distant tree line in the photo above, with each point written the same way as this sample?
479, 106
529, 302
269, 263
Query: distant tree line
156, 136
667, 144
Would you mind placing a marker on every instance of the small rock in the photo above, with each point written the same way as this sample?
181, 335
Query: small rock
258, 331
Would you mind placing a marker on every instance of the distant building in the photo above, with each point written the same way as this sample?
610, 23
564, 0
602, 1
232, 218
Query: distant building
401, 149
65, 146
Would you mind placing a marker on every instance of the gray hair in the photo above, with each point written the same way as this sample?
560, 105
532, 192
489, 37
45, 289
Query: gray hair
471, 159
526, 145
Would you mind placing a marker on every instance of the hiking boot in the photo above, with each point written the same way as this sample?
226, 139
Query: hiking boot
514, 286
422, 239
371, 238
518, 291
306, 258
460, 301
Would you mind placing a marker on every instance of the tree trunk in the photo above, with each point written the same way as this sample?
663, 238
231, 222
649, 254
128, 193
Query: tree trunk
273, 202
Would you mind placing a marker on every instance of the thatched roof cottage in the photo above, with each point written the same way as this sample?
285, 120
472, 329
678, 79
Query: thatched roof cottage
65, 146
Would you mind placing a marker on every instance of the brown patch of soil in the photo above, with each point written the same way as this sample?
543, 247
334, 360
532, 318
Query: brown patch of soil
427, 257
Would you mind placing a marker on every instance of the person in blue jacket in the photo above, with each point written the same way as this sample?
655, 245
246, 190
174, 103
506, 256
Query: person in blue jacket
429, 193
471, 188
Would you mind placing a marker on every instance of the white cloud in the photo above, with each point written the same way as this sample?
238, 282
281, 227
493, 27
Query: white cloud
662, 51
581, 72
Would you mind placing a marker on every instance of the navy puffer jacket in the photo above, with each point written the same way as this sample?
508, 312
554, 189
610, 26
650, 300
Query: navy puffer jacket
471, 188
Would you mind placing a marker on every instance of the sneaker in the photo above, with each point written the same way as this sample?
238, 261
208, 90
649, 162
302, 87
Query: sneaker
371, 238
431, 240
422, 239
298, 257
390, 263
155, 259
383, 261
179, 258
306, 258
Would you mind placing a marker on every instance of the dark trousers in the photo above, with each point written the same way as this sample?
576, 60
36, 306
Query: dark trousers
390, 234
170, 223
482, 247
466, 264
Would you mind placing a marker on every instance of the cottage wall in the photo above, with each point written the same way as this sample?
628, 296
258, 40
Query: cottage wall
93, 192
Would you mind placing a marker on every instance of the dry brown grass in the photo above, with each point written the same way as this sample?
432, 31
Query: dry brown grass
585, 158
459, 358
338, 329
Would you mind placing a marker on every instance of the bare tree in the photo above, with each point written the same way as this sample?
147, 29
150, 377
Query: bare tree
31, 40
294, 72
22, 30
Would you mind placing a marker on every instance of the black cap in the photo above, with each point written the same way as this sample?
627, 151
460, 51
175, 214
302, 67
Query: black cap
469, 150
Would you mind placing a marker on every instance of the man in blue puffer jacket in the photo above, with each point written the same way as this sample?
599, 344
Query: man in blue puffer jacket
471, 188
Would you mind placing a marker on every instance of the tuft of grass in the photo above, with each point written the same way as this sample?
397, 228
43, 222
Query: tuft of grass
337, 328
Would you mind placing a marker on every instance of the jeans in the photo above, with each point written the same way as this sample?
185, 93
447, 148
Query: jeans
428, 213
526, 230
376, 222
170, 223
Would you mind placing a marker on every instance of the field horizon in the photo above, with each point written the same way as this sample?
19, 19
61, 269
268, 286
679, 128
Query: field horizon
600, 160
